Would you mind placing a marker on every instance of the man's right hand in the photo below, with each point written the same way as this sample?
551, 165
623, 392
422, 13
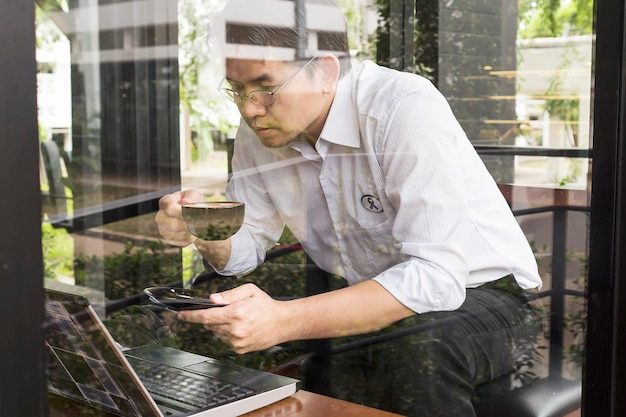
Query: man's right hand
169, 219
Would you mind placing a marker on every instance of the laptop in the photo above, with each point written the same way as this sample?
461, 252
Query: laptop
84, 363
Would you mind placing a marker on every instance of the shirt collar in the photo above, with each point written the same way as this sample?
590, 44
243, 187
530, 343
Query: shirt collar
342, 126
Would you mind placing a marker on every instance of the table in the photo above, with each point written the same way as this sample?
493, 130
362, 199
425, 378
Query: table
301, 404
308, 404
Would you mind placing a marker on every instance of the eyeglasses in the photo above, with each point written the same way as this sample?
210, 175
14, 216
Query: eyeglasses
259, 97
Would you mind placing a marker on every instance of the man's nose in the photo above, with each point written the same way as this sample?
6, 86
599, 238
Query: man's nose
249, 110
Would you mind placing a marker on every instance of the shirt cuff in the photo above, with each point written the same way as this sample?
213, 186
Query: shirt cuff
243, 257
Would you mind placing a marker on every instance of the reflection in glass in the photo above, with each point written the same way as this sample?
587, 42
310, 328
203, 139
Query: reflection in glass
117, 78
109, 127
518, 77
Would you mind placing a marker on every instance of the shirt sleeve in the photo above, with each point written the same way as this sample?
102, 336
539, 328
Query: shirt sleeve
262, 225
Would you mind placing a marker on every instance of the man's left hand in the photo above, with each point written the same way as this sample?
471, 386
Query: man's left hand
248, 321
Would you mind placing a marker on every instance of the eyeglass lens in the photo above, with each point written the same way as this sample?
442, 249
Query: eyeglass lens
260, 97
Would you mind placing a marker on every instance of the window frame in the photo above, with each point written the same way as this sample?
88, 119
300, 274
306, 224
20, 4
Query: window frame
23, 388
606, 341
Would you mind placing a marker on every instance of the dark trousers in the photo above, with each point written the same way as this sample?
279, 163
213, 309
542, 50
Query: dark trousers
430, 364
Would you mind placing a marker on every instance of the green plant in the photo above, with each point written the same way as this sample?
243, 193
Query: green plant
575, 170
129, 272
550, 18
198, 100
58, 251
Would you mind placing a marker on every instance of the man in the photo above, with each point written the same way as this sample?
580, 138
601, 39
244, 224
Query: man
373, 174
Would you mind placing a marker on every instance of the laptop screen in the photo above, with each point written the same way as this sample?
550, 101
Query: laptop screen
83, 364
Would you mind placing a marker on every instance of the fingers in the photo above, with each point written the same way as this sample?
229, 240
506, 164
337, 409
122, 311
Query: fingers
245, 323
236, 294
173, 229
212, 320
207, 317
190, 196
169, 218
170, 204
220, 315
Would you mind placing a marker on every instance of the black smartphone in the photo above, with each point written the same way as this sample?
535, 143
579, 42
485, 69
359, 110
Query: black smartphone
178, 299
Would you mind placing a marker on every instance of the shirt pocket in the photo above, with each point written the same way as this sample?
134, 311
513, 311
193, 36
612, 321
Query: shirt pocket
376, 243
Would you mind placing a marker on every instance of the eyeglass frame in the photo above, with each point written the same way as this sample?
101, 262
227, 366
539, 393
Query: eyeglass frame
232, 94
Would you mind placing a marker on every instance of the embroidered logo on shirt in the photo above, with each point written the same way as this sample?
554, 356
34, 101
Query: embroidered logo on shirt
371, 203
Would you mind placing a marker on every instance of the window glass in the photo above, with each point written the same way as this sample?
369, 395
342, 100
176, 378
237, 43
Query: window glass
129, 111
109, 129
518, 77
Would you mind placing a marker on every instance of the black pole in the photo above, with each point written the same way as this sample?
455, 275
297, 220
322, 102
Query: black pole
23, 382
604, 379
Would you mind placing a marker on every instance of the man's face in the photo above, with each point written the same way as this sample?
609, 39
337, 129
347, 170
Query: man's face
301, 106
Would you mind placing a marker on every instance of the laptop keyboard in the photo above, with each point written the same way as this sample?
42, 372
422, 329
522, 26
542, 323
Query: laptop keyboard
187, 387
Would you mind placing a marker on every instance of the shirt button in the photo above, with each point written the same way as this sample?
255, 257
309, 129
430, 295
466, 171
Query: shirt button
349, 262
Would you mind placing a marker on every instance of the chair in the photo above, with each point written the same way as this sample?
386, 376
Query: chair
55, 197
548, 397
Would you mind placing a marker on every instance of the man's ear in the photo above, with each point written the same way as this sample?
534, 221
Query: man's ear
330, 67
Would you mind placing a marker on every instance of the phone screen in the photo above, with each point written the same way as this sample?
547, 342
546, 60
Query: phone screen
178, 299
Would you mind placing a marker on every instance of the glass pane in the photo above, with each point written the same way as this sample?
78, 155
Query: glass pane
109, 125
518, 77
129, 111
108, 94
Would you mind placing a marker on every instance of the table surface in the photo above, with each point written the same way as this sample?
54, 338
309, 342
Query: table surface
301, 404
308, 404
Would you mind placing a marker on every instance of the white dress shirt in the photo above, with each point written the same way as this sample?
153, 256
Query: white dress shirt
392, 191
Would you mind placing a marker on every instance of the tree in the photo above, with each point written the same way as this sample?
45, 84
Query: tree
552, 18
201, 107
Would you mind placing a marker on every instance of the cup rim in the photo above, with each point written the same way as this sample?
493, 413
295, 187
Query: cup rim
235, 204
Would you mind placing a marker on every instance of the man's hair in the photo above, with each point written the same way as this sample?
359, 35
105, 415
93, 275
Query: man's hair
285, 37
254, 29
